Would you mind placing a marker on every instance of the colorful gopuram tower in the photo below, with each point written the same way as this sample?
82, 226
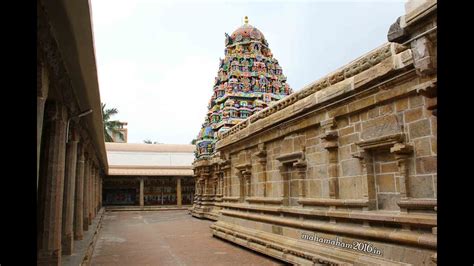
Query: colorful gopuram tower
248, 80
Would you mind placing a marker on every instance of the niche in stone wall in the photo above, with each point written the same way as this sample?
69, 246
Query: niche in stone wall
244, 175
293, 174
384, 163
385, 171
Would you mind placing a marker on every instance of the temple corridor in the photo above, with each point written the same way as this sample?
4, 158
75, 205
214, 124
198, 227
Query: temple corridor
166, 238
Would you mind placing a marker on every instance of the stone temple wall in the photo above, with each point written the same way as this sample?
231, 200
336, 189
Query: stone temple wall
343, 171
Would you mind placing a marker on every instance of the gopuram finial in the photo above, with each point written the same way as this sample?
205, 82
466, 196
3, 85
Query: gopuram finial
246, 20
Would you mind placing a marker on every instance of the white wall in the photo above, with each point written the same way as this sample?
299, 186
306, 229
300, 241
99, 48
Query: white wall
149, 158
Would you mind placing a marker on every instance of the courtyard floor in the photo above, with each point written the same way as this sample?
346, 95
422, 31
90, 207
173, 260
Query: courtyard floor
166, 238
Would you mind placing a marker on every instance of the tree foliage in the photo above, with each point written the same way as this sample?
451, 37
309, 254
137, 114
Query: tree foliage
111, 127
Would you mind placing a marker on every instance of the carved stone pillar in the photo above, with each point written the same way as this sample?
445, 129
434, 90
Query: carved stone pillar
215, 183
97, 189
69, 194
51, 186
162, 190
262, 160
285, 192
142, 188
101, 181
221, 183
247, 180
97, 192
245, 176
369, 192
79, 204
85, 190
330, 144
402, 153
301, 170
201, 186
196, 187
88, 186
91, 193
42, 83
92, 207
225, 168
178, 191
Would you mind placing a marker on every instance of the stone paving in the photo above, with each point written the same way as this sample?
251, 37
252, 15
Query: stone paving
80, 247
166, 238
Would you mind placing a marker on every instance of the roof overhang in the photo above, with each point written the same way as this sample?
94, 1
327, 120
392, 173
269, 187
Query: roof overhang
71, 24
140, 147
149, 171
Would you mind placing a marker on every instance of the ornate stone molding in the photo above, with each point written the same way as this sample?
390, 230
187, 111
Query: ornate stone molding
384, 141
380, 233
418, 204
291, 158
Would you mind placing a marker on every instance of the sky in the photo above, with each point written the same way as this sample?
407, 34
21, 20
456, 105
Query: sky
157, 60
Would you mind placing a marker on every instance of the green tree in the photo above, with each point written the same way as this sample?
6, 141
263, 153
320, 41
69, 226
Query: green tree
111, 127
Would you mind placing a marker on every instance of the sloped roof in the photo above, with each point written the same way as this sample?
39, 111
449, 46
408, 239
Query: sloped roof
150, 159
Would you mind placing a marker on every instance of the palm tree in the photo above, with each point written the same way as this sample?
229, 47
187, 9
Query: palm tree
111, 127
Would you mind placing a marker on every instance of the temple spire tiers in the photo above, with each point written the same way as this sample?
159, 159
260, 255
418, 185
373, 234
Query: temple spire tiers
248, 80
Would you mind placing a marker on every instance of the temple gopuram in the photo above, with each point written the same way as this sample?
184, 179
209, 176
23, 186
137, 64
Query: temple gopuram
249, 79
341, 172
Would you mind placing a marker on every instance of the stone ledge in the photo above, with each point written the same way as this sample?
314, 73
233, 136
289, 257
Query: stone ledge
426, 240
290, 157
419, 12
376, 216
383, 141
334, 202
418, 204
265, 200
231, 198
208, 203
295, 252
